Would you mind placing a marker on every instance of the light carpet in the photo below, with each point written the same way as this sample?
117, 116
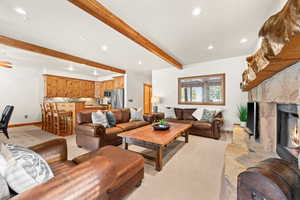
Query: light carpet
195, 171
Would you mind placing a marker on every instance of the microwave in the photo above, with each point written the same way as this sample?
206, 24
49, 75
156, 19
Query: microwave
107, 93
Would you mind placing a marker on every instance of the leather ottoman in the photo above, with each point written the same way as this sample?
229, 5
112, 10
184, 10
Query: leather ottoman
129, 168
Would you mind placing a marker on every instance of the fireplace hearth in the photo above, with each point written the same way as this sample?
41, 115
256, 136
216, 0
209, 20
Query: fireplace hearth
288, 140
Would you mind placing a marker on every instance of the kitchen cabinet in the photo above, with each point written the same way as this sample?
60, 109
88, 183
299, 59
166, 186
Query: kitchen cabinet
118, 82
58, 86
102, 86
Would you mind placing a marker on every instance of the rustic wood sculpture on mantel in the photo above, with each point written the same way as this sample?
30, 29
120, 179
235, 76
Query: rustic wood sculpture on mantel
280, 46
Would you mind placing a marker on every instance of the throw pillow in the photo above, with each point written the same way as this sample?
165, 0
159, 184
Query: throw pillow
111, 119
198, 114
208, 115
169, 113
99, 118
4, 191
3, 162
136, 115
26, 169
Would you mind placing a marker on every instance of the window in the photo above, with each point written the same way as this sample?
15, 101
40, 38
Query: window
202, 90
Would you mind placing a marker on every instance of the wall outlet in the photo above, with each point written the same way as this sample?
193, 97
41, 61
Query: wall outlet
26, 116
130, 100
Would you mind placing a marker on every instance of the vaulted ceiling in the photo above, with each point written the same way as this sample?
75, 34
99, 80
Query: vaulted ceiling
170, 24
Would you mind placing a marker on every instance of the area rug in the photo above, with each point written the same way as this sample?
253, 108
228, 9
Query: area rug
195, 171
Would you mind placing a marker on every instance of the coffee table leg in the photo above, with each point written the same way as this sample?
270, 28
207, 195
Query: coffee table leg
186, 137
125, 144
159, 158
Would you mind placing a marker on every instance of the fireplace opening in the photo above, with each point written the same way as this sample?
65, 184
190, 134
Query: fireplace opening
288, 135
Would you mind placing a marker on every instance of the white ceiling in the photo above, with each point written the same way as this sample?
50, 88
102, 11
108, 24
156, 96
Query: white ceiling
58, 24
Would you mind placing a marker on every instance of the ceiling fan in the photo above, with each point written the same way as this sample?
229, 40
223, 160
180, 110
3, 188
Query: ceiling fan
5, 64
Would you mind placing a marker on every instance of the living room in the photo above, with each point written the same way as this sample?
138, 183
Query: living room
149, 99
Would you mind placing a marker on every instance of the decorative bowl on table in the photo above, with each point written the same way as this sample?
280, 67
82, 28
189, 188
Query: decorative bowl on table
161, 126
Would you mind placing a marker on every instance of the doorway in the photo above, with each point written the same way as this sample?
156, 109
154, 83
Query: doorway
147, 98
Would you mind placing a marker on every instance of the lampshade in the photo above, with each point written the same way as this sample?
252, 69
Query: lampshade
155, 100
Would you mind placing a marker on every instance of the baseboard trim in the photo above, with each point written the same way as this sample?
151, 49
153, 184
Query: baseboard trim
25, 124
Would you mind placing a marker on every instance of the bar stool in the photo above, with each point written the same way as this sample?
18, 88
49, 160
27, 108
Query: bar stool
62, 121
48, 118
43, 111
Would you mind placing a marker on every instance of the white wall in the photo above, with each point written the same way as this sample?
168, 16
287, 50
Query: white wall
134, 88
165, 84
23, 87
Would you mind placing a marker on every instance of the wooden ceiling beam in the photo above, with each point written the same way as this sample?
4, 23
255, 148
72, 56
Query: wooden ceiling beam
53, 53
94, 8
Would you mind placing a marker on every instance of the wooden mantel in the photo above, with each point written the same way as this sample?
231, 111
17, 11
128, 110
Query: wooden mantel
280, 47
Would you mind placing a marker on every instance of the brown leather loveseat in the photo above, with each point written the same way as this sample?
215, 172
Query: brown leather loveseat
109, 173
205, 129
93, 136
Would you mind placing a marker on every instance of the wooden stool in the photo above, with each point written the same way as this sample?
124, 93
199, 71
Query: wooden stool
62, 121
48, 126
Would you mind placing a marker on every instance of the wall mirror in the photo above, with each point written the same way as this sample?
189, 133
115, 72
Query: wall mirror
202, 90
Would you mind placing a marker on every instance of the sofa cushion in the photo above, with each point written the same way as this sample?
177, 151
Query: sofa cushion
201, 125
187, 113
118, 115
125, 115
127, 126
126, 163
84, 117
141, 123
60, 167
113, 130
178, 113
179, 121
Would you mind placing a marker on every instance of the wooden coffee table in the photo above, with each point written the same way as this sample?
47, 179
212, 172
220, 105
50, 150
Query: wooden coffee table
156, 140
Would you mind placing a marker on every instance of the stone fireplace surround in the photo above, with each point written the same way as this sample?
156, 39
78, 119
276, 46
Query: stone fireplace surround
283, 88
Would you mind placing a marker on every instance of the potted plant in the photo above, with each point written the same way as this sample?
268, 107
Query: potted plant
243, 115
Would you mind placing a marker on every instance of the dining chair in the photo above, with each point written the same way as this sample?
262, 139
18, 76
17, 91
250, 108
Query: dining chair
5, 118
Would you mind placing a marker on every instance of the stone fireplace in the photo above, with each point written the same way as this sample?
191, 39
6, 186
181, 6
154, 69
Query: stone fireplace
279, 99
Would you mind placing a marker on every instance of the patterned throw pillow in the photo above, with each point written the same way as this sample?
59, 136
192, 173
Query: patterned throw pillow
99, 118
136, 115
4, 191
198, 114
111, 119
26, 169
208, 115
169, 113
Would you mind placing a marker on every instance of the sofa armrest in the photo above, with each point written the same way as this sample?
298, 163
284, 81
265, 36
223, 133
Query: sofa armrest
95, 130
218, 122
89, 180
52, 151
149, 118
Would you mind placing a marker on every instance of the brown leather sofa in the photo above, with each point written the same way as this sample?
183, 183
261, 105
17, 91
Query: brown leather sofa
205, 129
93, 136
107, 174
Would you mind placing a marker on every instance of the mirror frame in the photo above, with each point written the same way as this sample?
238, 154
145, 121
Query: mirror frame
222, 76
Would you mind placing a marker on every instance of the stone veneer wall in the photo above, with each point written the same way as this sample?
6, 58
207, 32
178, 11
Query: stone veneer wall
283, 88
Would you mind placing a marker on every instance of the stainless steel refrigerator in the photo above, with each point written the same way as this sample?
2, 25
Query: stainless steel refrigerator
117, 98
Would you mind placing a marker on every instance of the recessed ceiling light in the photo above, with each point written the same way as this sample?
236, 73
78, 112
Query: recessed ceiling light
71, 68
20, 11
243, 40
210, 47
196, 11
140, 62
95, 73
104, 48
